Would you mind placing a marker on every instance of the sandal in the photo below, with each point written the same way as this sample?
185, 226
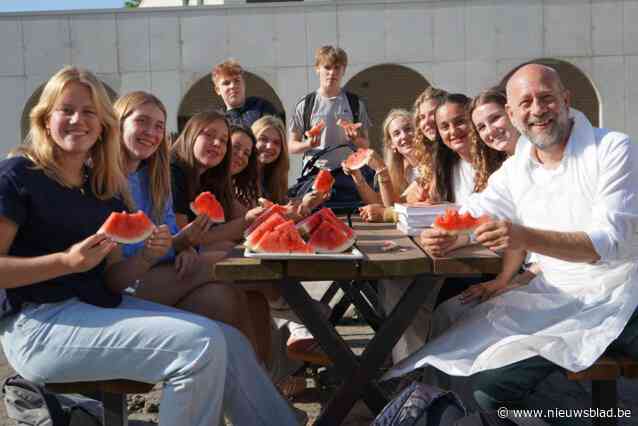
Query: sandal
307, 350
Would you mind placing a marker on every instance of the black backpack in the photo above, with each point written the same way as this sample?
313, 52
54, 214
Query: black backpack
30, 404
420, 404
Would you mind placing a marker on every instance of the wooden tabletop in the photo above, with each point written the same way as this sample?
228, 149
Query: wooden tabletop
407, 259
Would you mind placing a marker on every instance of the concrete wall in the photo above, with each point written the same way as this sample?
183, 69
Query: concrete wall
458, 45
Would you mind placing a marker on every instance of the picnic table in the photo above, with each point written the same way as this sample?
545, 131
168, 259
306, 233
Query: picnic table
406, 260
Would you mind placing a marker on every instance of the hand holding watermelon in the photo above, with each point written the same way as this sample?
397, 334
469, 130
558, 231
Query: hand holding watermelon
157, 245
88, 253
438, 242
310, 201
351, 129
499, 235
195, 230
253, 214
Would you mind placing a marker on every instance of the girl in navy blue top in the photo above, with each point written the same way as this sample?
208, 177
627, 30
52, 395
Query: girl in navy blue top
64, 277
181, 277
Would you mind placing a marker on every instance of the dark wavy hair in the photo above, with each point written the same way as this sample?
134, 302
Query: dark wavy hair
484, 159
246, 182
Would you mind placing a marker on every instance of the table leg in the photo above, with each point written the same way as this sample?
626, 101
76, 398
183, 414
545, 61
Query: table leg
366, 308
358, 374
376, 351
345, 361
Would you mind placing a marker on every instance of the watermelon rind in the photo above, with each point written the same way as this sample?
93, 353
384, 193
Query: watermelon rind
328, 238
284, 238
309, 224
215, 218
358, 159
275, 208
267, 225
115, 220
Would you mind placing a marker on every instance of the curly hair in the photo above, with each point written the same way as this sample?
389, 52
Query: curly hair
484, 160
429, 94
246, 182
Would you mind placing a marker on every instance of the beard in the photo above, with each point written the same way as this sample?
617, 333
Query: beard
554, 135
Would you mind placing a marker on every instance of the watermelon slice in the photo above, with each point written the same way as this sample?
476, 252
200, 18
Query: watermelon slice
309, 224
207, 204
275, 208
268, 225
329, 238
348, 125
284, 238
456, 223
316, 129
358, 159
323, 182
328, 214
128, 228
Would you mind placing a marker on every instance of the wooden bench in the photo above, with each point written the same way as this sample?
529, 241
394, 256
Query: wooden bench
112, 393
603, 375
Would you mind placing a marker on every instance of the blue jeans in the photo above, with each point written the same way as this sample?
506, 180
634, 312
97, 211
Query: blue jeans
204, 365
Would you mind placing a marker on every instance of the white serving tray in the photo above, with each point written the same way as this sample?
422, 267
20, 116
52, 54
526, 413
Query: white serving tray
352, 253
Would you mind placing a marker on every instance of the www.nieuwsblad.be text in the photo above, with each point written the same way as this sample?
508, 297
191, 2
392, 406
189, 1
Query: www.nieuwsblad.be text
560, 413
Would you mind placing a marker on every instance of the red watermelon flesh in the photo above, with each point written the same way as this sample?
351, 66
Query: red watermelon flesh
207, 204
329, 238
329, 215
323, 182
309, 224
268, 225
284, 238
456, 223
275, 208
358, 159
128, 228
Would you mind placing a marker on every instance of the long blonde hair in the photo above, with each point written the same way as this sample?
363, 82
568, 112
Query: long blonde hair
394, 160
108, 179
158, 163
275, 174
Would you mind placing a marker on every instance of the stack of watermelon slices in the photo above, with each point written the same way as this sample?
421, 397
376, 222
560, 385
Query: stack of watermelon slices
321, 232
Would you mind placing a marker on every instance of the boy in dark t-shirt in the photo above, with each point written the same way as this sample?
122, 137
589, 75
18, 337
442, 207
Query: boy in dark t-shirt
229, 83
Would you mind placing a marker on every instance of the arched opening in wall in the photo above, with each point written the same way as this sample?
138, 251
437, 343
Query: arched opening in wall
384, 87
35, 97
583, 94
201, 97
